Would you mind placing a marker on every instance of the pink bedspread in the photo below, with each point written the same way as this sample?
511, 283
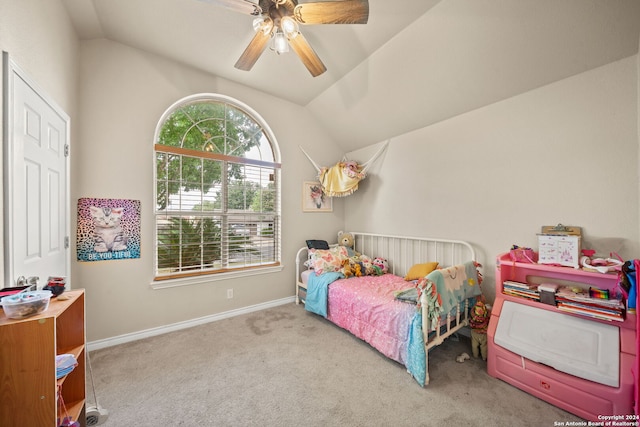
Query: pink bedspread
365, 306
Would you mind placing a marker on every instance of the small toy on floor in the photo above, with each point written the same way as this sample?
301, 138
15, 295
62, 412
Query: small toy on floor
462, 358
479, 323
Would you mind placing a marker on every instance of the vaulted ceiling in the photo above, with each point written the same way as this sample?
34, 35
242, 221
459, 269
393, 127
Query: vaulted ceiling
416, 62
212, 38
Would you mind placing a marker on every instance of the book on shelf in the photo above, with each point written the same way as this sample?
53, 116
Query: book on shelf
569, 299
532, 297
520, 290
582, 296
591, 312
519, 285
582, 301
591, 308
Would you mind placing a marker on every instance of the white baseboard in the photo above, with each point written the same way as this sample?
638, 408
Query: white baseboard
134, 336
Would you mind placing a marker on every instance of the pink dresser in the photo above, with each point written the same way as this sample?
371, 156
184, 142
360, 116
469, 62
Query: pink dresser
583, 365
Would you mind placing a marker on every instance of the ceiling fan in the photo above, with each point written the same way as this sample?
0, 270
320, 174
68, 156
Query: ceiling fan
279, 20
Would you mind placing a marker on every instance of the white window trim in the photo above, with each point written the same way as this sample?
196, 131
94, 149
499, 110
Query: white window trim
216, 276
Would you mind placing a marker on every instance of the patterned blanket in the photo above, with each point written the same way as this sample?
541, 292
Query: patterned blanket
367, 307
452, 286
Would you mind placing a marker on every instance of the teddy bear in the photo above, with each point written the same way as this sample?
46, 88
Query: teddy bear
479, 322
348, 240
381, 265
352, 268
347, 268
357, 268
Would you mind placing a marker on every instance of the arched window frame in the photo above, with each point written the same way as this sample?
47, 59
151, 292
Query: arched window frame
229, 239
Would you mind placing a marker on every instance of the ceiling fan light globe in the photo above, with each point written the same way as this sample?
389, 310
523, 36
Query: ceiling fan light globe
280, 43
289, 27
264, 24
258, 23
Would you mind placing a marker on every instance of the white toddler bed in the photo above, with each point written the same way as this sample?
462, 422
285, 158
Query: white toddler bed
370, 306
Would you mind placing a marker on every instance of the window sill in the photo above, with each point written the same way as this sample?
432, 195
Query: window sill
197, 280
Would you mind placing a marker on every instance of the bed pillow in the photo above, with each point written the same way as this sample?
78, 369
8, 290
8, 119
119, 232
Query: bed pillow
418, 271
326, 260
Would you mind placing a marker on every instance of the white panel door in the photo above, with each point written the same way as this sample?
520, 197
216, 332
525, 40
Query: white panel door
36, 184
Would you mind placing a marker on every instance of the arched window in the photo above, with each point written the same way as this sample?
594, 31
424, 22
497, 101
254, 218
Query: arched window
217, 189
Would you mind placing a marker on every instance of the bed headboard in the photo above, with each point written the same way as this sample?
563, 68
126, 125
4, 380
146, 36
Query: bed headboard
402, 252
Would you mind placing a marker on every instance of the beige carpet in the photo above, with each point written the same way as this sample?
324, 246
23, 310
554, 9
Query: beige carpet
287, 367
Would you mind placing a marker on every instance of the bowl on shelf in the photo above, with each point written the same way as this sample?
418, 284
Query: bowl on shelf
25, 304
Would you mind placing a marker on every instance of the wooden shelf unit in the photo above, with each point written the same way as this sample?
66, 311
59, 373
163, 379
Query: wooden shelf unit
28, 348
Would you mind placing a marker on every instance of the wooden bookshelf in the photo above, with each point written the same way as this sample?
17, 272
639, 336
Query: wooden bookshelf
28, 348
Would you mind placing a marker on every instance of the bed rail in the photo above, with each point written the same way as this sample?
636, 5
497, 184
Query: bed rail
402, 252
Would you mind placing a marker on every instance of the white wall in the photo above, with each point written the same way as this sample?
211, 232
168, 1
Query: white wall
564, 153
123, 93
39, 38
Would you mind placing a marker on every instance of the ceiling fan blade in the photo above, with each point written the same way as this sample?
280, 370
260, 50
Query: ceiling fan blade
308, 56
255, 47
333, 12
243, 6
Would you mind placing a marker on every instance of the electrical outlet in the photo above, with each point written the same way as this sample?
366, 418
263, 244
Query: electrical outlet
229, 293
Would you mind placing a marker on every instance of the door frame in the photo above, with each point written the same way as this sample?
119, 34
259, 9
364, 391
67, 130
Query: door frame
11, 70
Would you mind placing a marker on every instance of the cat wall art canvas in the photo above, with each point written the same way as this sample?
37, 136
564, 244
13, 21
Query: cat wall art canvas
108, 235
108, 229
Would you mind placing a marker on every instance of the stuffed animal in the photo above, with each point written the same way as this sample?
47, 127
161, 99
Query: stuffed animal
371, 270
347, 268
382, 265
357, 268
479, 322
352, 268
348, 240
374, 271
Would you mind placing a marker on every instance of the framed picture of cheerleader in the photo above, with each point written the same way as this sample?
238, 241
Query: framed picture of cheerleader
314, 199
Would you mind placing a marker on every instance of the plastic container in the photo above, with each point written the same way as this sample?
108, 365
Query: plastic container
25, 304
